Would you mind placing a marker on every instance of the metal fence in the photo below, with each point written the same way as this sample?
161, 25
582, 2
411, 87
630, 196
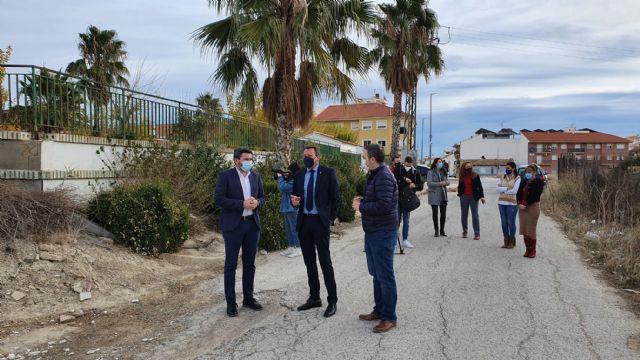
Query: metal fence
41, 100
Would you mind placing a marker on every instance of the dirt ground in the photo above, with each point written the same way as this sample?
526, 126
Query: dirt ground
134, 298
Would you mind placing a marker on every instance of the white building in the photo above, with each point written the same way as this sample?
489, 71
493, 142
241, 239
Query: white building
486, 144
345, 146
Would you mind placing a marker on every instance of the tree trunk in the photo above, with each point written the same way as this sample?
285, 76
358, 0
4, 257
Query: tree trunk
395, 128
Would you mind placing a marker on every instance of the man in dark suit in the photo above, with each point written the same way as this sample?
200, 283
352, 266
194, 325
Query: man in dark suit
316, 194
239, 193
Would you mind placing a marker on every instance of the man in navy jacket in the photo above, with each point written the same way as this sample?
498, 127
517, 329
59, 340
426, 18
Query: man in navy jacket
239, 193
379, 209
316, 194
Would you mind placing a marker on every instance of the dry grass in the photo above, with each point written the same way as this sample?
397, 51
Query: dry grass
36, 215
611, 213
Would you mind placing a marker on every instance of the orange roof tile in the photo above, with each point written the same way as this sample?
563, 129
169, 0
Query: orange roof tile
573, 138
355, 111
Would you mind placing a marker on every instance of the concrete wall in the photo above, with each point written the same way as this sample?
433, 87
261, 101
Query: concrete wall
477, 147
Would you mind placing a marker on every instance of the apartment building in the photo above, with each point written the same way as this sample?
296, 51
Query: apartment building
371, 119
546, 147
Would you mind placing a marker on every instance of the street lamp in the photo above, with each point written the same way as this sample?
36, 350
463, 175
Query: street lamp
430, 128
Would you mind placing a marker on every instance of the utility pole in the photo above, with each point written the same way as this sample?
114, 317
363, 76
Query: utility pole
422, 141
430, 124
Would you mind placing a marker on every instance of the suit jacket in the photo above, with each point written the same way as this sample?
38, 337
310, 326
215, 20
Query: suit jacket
327, 195
230, 198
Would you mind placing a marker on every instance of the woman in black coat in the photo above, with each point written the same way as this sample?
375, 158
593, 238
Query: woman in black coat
470, 192
528, 197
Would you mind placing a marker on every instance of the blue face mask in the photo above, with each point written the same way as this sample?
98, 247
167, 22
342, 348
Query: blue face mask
308, 162
528, 176
440, 165
247, 166
509, 171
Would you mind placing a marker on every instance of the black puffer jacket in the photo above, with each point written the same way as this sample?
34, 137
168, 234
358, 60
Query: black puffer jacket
379, 206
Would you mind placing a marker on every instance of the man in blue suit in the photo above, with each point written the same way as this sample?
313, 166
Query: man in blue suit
240, 194
316, 194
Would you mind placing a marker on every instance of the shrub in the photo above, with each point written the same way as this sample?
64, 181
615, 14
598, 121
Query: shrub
273, 235
143, 217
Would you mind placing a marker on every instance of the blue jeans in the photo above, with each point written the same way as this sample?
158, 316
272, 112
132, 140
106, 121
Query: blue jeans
508, 214
380, 247
290, 222
404, 218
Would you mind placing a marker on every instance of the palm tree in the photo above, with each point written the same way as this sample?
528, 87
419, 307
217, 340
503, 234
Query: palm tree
209, 104
405, 51
101, 63
301, 44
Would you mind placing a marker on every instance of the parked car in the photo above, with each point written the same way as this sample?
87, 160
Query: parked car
422, 170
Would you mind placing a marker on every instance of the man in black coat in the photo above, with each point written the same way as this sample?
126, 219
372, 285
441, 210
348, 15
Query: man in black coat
316, 194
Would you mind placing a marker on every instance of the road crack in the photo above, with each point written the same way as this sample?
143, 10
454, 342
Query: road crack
576, 309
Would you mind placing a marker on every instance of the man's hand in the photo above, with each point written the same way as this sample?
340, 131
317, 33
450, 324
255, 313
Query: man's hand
443, 183
295, 200
483, 201
355, 204
522, 207
407, 180
251, 203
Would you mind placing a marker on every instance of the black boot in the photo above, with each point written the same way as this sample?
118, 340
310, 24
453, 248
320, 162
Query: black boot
436, 233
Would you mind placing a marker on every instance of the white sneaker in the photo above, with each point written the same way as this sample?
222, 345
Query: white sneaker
296, 252
406, 243
287, 252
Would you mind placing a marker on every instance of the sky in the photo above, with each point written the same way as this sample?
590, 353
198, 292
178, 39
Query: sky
509, 63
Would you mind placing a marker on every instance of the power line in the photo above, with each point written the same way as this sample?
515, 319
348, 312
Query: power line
586, 52
631, 51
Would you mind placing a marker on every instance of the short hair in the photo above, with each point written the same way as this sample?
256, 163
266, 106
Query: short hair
237, 153
408, 159
375, 151
312, 147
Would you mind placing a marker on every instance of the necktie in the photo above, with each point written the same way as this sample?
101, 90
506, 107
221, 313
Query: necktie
309, 198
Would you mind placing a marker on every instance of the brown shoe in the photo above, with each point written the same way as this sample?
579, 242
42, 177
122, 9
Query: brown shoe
369, 317
507, 242
384, 326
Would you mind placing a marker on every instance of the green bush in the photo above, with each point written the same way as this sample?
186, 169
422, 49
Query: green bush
143, 217
273, 236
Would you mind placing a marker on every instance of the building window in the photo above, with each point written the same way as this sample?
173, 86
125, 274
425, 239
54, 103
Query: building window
598, 146
589, 146
578, 157
563, 146
609, 146
539, 147
381, 124
355, 126
554, 146
366, 125
366, 142
622, 157
609, 157
577, 146
620, 146
539, 159
382, 143
339, 124
554, 157
618, 158
589, 157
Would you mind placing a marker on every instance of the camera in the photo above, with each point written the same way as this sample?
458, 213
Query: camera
286, 174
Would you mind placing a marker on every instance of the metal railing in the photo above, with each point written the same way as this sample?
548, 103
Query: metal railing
41, 100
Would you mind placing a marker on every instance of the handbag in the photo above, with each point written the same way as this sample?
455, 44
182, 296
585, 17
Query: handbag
409, 201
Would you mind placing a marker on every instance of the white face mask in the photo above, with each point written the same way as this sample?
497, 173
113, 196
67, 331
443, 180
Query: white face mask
407, 168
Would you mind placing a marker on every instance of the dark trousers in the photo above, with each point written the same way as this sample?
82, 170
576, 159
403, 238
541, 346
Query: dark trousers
315, 236
466, 202
245, 236
443, 215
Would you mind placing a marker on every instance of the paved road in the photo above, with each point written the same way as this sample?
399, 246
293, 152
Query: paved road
458, 299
